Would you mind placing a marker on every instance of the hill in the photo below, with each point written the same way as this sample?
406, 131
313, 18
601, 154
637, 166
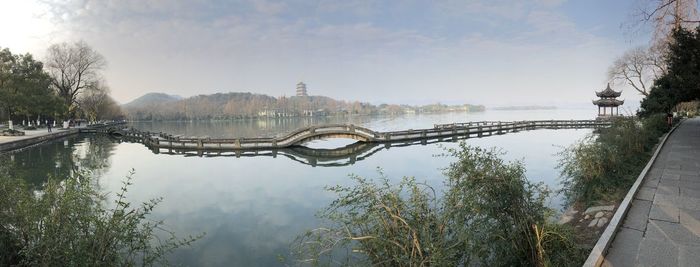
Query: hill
158, 106
151, 99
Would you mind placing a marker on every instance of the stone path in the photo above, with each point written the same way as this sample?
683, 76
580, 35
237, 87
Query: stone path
662, 227
28, 134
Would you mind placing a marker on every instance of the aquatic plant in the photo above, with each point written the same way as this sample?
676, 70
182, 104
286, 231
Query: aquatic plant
489, 214
67, 223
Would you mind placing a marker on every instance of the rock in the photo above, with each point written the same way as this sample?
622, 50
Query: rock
599, 214
602, 222
568, 215
565, 219
571, 211
599, 208
587, 217
593, 223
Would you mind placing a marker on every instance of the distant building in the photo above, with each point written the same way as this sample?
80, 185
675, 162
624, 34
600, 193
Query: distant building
301, 89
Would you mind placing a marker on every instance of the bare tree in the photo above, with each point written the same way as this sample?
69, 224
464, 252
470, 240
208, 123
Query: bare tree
73, 68
93, 99
96, 104
638, 68
667, 15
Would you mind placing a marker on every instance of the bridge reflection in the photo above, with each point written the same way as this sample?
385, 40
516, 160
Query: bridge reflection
316, 157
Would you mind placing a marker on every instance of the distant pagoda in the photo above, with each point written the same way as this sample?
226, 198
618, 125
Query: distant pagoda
301, 89
608, 101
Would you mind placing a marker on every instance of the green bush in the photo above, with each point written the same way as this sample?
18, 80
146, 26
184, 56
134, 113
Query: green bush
603, 166
488, 214
67, 224
28, 128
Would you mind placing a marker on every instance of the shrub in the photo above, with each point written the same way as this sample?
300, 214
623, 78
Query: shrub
488, 215
603, 166
67, 224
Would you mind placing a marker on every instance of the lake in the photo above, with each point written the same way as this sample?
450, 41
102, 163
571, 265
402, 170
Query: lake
251, 208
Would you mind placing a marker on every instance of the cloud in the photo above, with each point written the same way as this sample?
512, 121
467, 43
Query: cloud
476, 51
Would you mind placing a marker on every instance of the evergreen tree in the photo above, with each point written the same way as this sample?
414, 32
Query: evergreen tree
25, 91
682, 81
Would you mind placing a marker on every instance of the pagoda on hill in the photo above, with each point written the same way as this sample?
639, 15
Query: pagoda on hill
608, 101
301, 89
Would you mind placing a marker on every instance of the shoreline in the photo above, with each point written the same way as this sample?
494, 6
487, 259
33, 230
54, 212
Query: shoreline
12, 143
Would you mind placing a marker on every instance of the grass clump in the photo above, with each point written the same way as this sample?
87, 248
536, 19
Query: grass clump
488, 214
66, 223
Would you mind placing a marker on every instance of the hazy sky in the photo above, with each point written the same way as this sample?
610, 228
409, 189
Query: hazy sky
493, 52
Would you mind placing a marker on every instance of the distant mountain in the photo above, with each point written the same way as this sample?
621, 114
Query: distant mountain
151, 99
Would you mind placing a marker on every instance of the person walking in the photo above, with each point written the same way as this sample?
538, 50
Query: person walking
48, 125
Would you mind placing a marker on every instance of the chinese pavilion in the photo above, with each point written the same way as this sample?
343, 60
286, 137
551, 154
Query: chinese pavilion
608, 102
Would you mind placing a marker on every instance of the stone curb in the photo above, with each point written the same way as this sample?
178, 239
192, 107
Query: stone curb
595, 259
22, 143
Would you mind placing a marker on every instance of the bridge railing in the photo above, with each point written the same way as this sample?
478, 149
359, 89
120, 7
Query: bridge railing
164, 140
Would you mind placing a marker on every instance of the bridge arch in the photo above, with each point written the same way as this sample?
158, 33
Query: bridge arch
328, 132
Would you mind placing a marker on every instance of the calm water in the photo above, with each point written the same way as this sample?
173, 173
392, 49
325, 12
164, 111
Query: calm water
251, 208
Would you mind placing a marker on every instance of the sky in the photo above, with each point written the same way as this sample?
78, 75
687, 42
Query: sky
491, 52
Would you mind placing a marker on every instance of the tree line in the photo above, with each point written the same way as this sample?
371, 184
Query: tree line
250, 105
67, 85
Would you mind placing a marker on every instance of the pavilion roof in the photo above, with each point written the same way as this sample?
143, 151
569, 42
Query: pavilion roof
608, 102
608, 92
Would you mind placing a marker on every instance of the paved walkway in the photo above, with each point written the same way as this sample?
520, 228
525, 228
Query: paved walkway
28, 134
662, 227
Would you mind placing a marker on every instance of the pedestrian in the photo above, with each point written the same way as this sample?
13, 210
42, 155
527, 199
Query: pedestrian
48, 125
669, 119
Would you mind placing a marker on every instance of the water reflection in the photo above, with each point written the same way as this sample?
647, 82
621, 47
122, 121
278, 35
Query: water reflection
60, 158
